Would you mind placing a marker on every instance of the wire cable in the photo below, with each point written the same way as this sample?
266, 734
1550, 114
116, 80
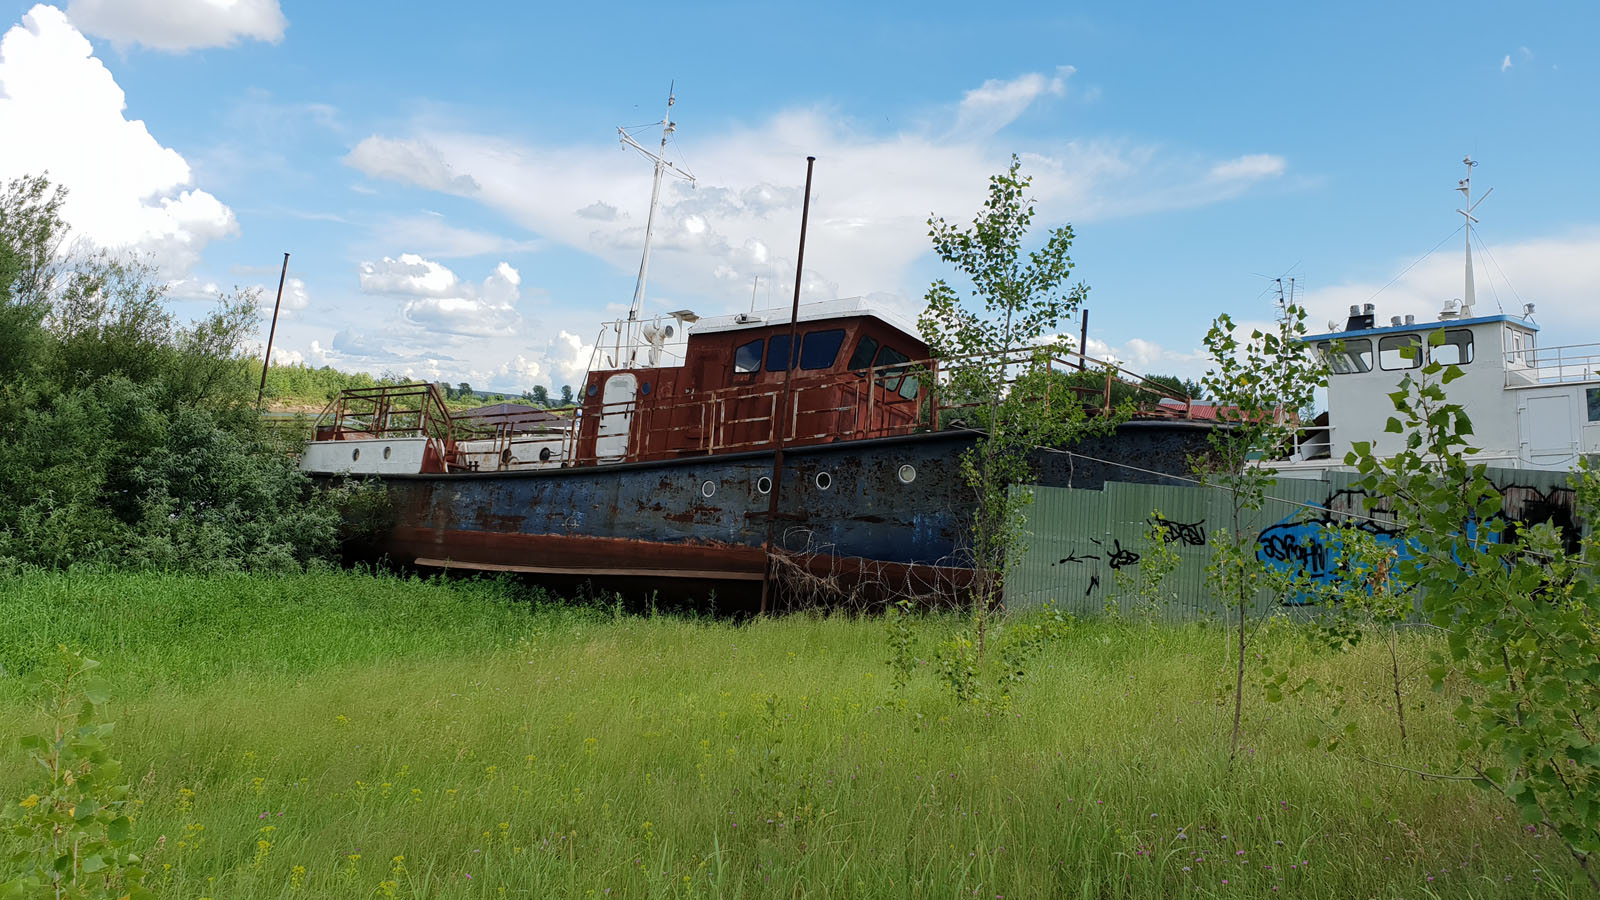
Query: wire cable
1503, 277
1414, 264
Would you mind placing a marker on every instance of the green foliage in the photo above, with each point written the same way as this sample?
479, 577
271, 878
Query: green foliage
1521, 614
72, 834
31, 230
1146, 583
128, 438
305, 385
370, 712
999, 361
902, 644
1259, 385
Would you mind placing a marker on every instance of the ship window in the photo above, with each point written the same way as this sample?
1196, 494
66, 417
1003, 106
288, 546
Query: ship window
1456, 349
1347, 357
1593, 396
866, 348
821, 348
777, 349
889, 356
1391, 353
748, 357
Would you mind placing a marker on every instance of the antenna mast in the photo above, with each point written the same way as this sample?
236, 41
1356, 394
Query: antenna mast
667, 128
1465, 187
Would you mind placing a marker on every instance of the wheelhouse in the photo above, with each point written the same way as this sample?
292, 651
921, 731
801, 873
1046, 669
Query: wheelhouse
843, 371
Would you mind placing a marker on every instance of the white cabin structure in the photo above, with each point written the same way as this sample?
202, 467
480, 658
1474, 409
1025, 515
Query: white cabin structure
1531, 407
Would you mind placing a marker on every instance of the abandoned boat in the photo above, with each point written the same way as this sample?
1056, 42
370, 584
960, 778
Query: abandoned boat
813, 439
669, 466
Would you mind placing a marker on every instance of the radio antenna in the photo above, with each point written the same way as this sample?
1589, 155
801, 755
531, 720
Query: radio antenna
662, 166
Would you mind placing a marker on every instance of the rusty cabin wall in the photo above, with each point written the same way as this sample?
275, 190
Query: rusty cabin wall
671, 413
1079, 540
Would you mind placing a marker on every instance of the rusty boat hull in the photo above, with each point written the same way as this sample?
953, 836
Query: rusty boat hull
864, 519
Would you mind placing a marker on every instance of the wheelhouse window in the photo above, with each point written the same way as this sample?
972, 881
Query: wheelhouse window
777, 350
891, 378
820, 348
1347, 357
866, 349
1515, 345
748, 357
1456, 349
1392, 355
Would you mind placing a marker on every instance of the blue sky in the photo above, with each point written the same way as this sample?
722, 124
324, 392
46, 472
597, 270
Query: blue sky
450, 185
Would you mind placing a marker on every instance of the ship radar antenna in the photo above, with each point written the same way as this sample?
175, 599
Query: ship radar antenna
1464, 185
662, 166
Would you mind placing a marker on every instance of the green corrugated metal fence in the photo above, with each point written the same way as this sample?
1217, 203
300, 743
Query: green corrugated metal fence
1079, 540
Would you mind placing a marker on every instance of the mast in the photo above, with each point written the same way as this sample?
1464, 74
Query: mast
661, 166
1465, 187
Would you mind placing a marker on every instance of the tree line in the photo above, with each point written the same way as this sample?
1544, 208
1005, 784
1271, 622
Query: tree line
129, 438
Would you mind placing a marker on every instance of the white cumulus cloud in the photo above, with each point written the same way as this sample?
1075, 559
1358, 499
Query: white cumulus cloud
872, 197
410, 274
412, 161
295, 297
179, 25
437, 301
1558, 273
61, 113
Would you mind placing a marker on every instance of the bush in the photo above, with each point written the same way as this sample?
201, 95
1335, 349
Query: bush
129, 439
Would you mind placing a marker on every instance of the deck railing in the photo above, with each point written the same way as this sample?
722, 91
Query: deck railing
386, 411
1553, 365
880, 401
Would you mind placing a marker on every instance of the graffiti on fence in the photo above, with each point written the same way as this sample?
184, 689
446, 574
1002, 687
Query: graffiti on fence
1121, 558
1308, 542
1192, 534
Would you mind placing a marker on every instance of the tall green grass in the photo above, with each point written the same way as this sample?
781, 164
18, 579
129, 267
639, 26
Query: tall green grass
347, 736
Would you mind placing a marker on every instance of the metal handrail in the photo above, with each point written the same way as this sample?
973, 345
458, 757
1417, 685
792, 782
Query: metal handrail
877, 411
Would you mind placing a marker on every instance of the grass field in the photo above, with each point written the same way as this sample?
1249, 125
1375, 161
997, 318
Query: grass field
351, 736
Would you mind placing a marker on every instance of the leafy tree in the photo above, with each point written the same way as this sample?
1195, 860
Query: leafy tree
463, 390
31, 230
566, 395
127, 437
1183, 387
540, 395
1257, 385
997, 356
1521, 613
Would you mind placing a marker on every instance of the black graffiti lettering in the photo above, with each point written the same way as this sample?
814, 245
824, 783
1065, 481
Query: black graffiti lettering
1192, 534
1121, 557
1073, 557
1304, 551
1094, 584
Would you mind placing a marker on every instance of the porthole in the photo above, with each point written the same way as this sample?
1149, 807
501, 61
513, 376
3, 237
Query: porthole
708, 489
355, 454
387, 452
907, 473
645, 388
763, 485
545, 454
824, 481
594, 388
